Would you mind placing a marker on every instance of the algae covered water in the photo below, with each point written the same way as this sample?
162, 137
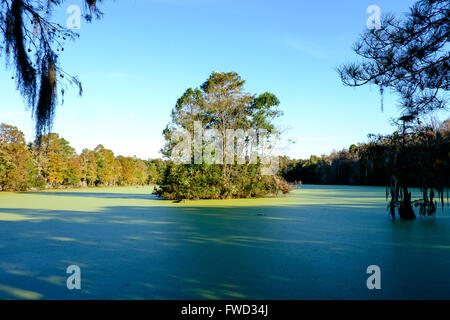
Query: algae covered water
315, 243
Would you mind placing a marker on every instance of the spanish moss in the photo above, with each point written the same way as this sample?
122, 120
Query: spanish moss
32, 43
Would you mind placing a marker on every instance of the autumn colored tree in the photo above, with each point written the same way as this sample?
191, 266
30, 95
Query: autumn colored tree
88, 167
61, 164
105, 165
52, 163
15, 160
74, 171
141, 171
128, 170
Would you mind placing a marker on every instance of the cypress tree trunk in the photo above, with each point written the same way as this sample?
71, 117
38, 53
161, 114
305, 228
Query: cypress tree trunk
405, 210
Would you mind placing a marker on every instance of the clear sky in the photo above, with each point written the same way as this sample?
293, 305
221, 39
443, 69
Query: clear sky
137, 60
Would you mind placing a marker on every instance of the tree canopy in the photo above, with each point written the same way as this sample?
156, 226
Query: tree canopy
407, 55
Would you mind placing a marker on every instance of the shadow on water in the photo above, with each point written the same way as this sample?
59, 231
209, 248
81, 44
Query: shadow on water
101, 195
195, 252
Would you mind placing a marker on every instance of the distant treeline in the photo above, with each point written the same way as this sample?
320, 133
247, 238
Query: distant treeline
53, 163
420, 155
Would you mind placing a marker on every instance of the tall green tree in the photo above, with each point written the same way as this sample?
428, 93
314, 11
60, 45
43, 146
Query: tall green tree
221, 103
155, 170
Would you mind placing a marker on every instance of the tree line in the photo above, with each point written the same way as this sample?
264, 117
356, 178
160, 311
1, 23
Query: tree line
52, 163
368, 163
416, 155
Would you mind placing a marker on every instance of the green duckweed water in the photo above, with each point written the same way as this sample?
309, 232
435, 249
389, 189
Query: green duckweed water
315, 243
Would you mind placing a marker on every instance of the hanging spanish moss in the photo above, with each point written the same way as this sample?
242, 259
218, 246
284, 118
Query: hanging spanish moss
14, 41
31, 43
45, 108
382, 97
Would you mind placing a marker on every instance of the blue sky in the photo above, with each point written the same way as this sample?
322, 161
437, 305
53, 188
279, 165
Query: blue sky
137, 60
